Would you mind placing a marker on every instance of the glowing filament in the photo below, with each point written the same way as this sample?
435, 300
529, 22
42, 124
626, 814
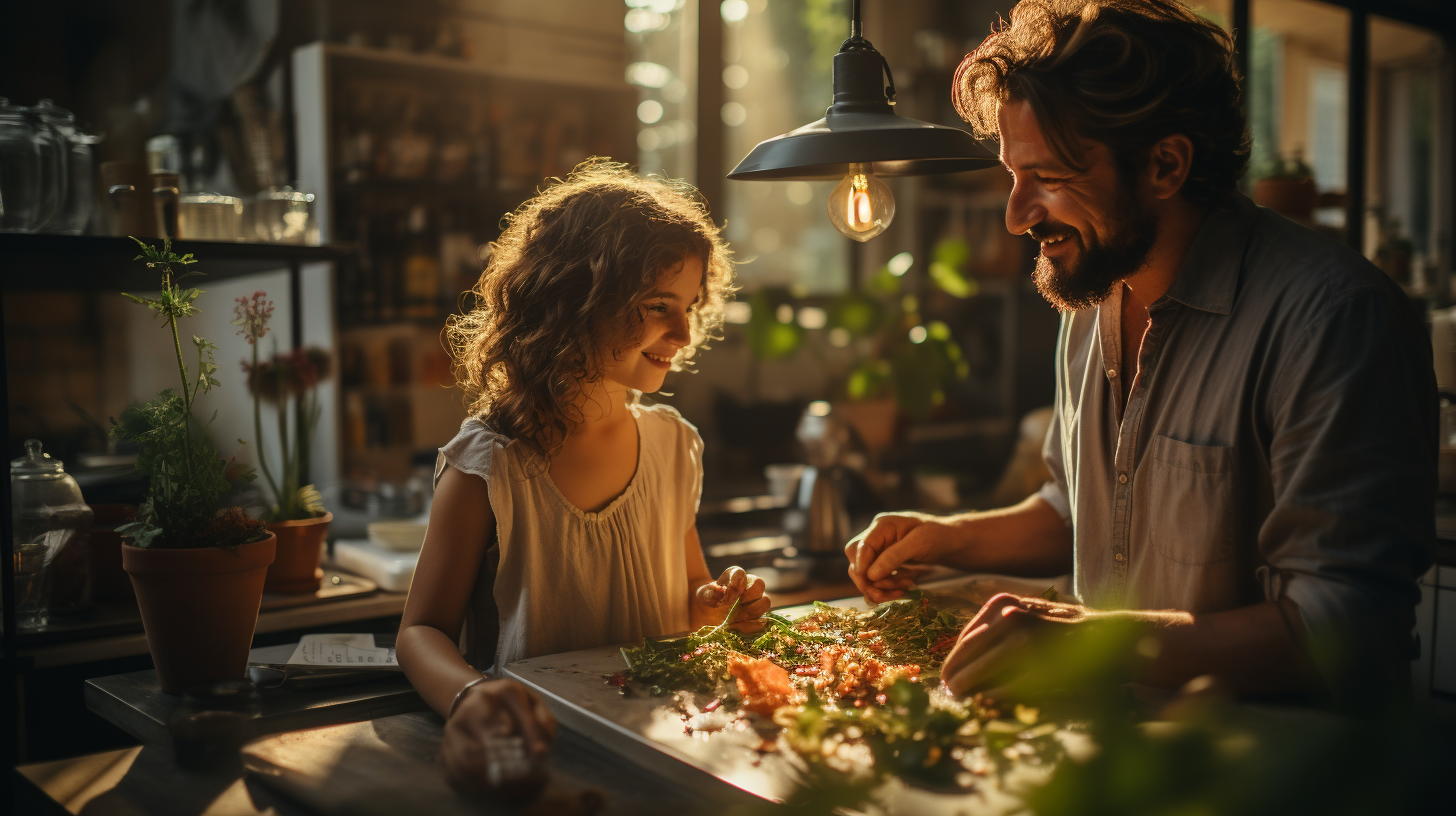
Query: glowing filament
860, 212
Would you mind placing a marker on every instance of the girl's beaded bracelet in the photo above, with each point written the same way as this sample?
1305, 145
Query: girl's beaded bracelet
460, 695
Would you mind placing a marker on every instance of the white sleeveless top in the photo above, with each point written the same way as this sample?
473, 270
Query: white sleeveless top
557, 579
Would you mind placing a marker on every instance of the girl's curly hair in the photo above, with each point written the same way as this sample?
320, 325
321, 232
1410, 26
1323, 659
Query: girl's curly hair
563, 290
1125, 73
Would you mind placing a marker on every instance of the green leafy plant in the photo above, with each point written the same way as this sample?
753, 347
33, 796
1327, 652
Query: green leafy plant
290, 382
914, 360
188, 481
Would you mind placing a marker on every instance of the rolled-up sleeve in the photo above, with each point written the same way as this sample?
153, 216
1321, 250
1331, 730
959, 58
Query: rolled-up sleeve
1352, 423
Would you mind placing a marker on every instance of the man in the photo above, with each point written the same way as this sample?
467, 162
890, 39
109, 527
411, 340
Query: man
1243, 444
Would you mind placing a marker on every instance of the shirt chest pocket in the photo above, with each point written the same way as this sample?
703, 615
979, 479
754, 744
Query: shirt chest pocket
1190, 501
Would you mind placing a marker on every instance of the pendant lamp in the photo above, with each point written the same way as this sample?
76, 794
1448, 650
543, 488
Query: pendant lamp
859, 139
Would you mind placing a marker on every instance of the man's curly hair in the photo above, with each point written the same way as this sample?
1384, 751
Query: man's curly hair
1125, 73
562, 295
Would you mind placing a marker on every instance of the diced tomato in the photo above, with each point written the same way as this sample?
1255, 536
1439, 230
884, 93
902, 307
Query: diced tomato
763, 685
806, 671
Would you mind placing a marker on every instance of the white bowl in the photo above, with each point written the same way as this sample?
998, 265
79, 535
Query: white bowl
403, 535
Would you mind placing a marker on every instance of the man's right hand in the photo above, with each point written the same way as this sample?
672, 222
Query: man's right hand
895, 550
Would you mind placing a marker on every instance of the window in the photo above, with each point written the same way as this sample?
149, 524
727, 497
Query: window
662, 39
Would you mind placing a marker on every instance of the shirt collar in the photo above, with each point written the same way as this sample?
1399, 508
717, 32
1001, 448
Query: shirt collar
1209, 276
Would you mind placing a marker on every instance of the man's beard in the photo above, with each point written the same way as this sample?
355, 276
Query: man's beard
1100, 266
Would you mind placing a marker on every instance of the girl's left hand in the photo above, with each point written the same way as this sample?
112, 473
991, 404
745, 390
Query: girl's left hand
712, 600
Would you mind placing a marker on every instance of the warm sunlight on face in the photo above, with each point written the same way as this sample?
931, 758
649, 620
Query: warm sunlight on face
1091, 228
665, 329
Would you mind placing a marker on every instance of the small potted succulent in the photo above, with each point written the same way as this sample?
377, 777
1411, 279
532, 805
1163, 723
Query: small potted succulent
290, 382
197, 564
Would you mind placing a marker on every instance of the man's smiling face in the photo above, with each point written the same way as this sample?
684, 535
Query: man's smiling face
1092, 226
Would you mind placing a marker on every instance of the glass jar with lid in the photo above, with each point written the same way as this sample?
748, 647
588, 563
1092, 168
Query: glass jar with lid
20, 170
52, 524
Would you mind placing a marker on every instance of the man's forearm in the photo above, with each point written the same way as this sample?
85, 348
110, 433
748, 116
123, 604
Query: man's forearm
1029, 539
1253, 649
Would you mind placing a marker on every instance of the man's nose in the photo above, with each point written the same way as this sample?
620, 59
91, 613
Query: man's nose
1023, 210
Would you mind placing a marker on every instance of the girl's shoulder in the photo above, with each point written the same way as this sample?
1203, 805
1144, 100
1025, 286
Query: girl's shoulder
664, 423
475, 449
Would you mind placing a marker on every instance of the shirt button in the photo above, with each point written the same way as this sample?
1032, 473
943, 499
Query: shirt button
1118, 556
1122, 478
1111, 373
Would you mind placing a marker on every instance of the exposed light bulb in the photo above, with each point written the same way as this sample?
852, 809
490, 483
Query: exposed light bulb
861, 205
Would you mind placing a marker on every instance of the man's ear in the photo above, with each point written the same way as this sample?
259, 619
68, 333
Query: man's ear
1169, 161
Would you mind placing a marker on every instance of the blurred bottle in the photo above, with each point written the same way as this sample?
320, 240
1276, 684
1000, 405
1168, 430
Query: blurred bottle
388, 268
421, 267
410, 148
482, 146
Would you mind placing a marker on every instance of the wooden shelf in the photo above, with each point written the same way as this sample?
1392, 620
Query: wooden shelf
435, 68
34, 261
117, 632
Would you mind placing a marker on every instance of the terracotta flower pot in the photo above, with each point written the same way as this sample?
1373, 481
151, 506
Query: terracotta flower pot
295, 570
1293, 198
199, 608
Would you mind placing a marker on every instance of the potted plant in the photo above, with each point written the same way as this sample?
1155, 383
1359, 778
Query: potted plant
290, 382
1286, 185
907, 364
196, 564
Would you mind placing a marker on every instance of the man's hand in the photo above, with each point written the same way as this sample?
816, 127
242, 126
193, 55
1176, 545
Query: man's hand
711, 601
995, 646
1006, 647
894, 551
497, 740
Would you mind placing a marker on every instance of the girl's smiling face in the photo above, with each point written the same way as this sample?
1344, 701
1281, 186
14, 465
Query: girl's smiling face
665, 328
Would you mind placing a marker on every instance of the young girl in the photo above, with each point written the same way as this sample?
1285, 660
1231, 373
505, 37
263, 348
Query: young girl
563, 516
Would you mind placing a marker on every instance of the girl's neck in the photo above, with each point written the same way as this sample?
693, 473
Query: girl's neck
603, 408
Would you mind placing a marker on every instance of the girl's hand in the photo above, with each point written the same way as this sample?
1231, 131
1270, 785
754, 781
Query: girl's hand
497, 740
711, 601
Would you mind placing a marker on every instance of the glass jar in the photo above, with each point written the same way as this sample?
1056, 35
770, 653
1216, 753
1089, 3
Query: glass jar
80, 198
284, 215
51, 126
210, 217
19, 170
52, 525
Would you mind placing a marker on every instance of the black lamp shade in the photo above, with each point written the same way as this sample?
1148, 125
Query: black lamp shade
861, 127
890, 145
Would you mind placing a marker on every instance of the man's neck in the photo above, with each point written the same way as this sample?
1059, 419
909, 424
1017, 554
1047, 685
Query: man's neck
1177, 227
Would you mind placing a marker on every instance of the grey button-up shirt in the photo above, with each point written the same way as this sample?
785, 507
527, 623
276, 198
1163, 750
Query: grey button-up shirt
1280, 439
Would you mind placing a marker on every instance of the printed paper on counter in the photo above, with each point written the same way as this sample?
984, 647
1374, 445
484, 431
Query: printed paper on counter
347, 650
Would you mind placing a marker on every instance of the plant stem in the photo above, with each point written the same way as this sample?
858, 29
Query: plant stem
258, 430
285, 499
182, 369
